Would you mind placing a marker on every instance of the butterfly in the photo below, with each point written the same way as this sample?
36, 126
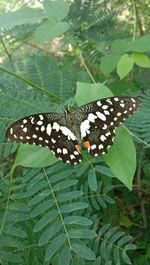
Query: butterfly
93, 124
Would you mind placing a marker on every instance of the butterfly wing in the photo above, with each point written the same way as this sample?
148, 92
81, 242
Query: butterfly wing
47, 130
99, 119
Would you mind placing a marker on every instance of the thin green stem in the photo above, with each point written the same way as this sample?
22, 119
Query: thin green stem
58, 208
135, 20
29, 82
86, 68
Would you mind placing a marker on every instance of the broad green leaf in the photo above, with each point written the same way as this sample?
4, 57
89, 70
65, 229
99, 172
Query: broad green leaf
22, 16
49, 233
125, 65
49, 30
121, 157
56, 10
109, 63
70, 207
34, 156
81, 233
47, 218
87, 92
54, 246
65, 256
78, 220
119, 46
141, 44
92, 180
141, 59
83, 251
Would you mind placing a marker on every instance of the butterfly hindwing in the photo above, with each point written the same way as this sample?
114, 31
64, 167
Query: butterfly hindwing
45, 130
99, 119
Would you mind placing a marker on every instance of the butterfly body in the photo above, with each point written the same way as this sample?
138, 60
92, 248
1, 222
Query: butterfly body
93, 124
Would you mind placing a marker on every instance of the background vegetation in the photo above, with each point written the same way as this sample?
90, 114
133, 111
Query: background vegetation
54, 53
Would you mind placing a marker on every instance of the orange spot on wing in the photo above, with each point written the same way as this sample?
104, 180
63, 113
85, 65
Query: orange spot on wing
78, 148
87, 144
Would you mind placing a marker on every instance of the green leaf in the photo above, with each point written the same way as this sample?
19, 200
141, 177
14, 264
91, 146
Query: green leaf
48, 217
69, 195
141, 59
119, 46
50, 30
22, 16
109, 63
56, 10
125, 65
92, 180
125, 257
83, 251
49, 233
78, 220
34, 156
65, 184
87, 92
54, 246
10, 257
65, 256
42, 207
70, 207
121, 157
141, 44
17, 232
81, 233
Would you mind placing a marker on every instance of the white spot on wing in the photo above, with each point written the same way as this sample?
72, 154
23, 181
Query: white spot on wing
53, 140
84, 128
116, 99
58, 150
105, 107
24, 121
99, 103
103, 138
55, 126
100, 146
92, 117
11, 130
106, 112
41, 117
104, 127
34, 136
101, 116
49, 129
42, 128
39, 123
65, 151
25, 129
122, 105
68, 133
93, 146
72, 157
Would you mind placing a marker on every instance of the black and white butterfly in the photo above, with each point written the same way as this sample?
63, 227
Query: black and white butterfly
93, 123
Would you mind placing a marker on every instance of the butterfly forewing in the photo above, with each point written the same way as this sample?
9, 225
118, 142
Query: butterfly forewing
46, 130
94, 123
99, 119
